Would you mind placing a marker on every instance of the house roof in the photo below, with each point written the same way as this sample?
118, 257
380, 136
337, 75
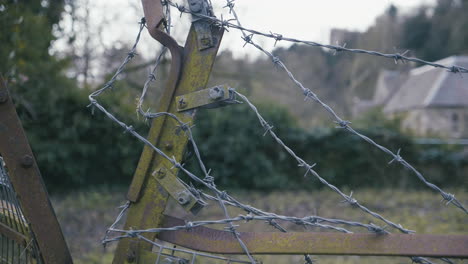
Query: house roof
387, 83
429, 87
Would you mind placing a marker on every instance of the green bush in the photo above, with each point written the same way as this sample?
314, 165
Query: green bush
232, 144
76, 149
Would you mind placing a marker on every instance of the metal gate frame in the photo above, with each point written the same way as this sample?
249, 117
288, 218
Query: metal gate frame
28, 185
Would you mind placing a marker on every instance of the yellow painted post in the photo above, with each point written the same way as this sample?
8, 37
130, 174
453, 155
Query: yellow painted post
148, 197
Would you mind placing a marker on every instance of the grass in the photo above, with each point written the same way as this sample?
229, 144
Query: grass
85, 215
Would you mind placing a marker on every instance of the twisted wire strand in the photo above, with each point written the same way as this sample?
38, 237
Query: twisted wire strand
221, 196
344, 124
226, 23
309, 169
149, 115
349, 199
94, 104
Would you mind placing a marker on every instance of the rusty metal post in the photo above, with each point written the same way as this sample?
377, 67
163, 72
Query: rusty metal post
147, 195
27, 183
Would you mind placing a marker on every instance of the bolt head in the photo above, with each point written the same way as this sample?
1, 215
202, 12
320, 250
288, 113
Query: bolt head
27, 161
160, 173
196, 6
168, 145
131, 257
182, 103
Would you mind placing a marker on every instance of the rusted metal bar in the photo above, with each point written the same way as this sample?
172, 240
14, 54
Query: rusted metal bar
153, 15
27, 183
223, 242
147, 195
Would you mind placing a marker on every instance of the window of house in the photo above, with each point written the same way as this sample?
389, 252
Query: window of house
455, 122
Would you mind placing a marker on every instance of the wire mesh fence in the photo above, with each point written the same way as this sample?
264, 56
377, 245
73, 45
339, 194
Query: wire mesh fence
17, 244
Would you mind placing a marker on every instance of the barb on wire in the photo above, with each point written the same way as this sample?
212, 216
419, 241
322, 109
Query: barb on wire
313, 221
116, 222
208, 181
344, 124
147, 115
221, 196
336, 48
309, 169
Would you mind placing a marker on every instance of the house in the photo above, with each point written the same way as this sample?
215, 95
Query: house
388, 82
431, 102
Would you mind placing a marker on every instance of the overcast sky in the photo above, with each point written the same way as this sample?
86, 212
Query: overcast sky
304, 19
313, 19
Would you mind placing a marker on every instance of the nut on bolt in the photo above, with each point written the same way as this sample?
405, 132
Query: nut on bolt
216, 93
183, 198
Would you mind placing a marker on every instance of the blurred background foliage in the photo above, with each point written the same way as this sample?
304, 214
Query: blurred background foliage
231, 141
75, 149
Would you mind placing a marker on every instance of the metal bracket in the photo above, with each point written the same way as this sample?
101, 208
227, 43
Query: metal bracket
202, 27
177, 190
213, 97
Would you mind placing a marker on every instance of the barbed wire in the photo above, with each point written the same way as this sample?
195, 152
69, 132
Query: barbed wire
226, 23
309, 169
208, 181
94, 104
309, 94
149, 115
222, 197
130, 234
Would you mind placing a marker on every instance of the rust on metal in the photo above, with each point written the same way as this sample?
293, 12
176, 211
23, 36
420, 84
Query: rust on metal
147, 195
27, 182
169, 181
223, 242
27, 161
154, 14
